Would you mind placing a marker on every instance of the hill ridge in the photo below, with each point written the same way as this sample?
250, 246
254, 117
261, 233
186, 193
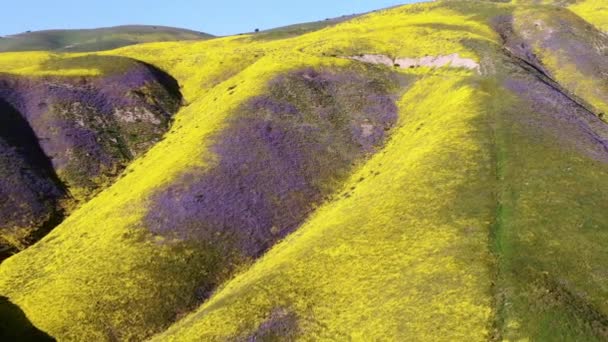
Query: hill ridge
474, 210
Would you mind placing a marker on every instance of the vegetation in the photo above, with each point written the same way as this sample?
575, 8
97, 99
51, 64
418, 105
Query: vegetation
95, 39
300, 29
593, 11
303, 195
64, 138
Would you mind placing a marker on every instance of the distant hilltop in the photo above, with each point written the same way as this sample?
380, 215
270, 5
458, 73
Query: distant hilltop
87, 40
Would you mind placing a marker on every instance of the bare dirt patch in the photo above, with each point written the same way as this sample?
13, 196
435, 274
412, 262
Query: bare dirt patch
453, 60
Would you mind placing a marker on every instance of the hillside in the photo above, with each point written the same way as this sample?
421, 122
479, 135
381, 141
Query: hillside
64, 138
95, 39
299, 29
428, 172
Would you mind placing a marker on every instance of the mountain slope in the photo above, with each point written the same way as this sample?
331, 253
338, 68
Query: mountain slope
594, 11
393, 239
303, 28
95, 39
428, 172
64, 138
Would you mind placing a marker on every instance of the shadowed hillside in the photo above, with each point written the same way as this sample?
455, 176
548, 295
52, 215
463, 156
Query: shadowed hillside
14, 325
427, 172
64, 138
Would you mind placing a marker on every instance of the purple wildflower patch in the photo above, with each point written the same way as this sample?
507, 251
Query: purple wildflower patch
29, 187
281, 155
281, 325
570, 124
90, 127
58, 133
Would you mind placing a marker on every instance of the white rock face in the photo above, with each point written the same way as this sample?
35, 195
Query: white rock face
367, 130
374, 59
452, 60
136, 114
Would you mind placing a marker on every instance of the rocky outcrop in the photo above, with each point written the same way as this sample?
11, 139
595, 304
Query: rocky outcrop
452, 60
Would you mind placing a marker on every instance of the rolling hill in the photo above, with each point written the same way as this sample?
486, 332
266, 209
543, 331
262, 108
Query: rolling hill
428, 172
303, 28
95, 39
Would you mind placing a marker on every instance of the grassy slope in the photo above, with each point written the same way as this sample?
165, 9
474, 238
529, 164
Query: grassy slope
574, 52
399, 240
118, 252
539, 295
593, 11
550, 235
416, 235
94, 39
119, 247
300, 29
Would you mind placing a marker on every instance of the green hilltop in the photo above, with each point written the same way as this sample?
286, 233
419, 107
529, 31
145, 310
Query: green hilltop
95, 39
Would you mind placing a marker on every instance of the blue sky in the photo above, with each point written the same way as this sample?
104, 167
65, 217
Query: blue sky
219, 17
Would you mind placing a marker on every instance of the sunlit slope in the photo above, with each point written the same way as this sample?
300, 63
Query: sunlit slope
593, 11
444, 230
409, 31
545, 288
327, 281
402, 254
136, 284
569, 50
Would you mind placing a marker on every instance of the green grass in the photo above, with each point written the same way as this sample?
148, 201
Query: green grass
550, 238
300, 29
533, 235
94, 39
